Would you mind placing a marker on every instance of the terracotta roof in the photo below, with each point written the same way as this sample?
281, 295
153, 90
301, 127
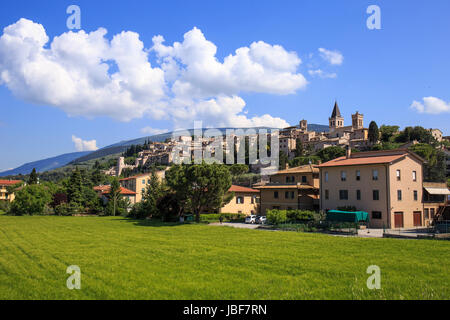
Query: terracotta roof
302, 169
343, 161
136, 176
287, 186
241, 189
106, 189
9, 182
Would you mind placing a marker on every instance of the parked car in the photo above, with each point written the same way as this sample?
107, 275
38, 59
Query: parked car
250, 219
261, 220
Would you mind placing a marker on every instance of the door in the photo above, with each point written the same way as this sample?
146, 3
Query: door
398, 219
417, 219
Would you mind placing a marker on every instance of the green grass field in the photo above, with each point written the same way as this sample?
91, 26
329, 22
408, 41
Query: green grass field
125, 259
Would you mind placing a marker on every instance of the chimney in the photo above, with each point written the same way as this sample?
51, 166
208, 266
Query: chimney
286, 166
349, 152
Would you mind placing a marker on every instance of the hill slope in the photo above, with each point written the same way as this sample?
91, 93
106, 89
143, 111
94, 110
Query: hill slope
45, 164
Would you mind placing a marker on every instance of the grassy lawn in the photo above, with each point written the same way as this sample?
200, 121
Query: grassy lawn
125, 259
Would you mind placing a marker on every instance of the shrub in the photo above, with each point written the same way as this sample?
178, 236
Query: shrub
276, 216
300, 215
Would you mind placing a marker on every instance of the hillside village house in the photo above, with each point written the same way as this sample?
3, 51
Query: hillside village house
103, 192
291, 189
4, 195
139, 183
387, 184
245, 201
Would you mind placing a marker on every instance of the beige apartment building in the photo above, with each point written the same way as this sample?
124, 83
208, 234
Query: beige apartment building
386, 184
245, 201
103, 192
139, 183
4, 194
291, 189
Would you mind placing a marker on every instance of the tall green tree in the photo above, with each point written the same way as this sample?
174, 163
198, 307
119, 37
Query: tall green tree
75, 188
31, 200
33, 177
388, 132
374, 132
200, 187
153, 194
114, 195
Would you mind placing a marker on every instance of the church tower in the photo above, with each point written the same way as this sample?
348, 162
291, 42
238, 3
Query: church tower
357, 121
304, 125
336, 120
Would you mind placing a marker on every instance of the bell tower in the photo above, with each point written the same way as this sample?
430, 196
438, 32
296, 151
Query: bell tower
357, 120
336, 119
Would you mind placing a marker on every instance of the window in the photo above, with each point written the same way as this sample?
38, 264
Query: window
304, 179
375, 175
275, 194
376, 195
327, 194
286, 194
143, 190
399, 195
358, 175
143, 181
292, 195
343, 176
343, 194
416, 196
414, 176
426, 213
326, 176
399, 175
240, 200
358, 194
432, 213
376, 215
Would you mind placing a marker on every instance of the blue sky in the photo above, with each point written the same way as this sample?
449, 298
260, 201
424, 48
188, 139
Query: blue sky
383, 71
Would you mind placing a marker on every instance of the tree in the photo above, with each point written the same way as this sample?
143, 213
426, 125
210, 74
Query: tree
33, 177
75, 188
114, 195
331, 153
283, 160
238, 169
435, 168
151, 197
299, 148
200, 187
388, 132
374, 133
31, 200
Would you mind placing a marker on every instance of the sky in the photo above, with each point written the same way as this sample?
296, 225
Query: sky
138, 68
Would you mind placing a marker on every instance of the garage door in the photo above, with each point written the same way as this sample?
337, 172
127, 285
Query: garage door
417, 219
398, 219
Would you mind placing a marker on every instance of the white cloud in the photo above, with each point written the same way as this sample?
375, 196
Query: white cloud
82, 145
153, 131
431, 105
322, 74
333, 57
85, 74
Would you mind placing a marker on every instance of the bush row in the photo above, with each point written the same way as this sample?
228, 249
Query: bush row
227, 217
284, 216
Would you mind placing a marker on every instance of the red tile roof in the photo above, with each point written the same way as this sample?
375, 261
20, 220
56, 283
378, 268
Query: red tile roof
242, 189
106, 189
9, 182
343, 161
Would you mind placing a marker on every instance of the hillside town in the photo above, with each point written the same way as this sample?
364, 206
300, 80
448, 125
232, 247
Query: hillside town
393, 185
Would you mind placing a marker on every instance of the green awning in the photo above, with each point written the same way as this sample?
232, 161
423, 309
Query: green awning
347, 216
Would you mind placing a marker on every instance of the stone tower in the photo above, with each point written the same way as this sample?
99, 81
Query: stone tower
304, 125
357, 120
336, 120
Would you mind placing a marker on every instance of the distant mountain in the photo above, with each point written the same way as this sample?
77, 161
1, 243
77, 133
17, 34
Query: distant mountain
46, 164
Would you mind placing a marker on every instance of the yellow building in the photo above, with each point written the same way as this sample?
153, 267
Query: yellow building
139, 183
103, 192
245, 201
386, 184
4, 194
291, 189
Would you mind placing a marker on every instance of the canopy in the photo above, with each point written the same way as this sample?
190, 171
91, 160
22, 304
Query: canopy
438, 191
347, 216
